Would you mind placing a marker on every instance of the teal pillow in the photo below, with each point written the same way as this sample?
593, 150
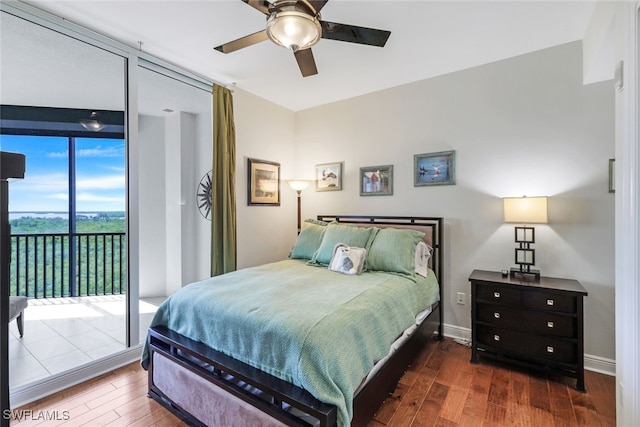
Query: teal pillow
308, 240
394, 250
360, 237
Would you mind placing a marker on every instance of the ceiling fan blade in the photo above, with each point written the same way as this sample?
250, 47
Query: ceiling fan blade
306, 63
260, 5
317, 4
354, 34
242, 42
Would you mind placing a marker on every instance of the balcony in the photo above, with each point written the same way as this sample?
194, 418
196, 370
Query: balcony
63, 333
76, 285
56, 265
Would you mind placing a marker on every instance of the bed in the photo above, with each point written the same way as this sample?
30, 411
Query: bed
247, 347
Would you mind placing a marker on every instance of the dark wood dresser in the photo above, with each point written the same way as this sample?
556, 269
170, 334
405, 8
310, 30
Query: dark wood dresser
538, 324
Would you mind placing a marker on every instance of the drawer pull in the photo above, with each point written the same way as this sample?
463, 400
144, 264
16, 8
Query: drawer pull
549, 302
496, 337
496, 294
496, 315
549, 324
549, 349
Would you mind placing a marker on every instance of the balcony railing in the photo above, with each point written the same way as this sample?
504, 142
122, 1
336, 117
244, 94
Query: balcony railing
62, 265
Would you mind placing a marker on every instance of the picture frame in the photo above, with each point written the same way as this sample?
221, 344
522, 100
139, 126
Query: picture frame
329, 176
376, 180
437, 168
263, 184
612, 175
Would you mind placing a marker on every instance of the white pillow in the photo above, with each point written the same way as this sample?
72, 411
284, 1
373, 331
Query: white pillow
347, 259
423, 253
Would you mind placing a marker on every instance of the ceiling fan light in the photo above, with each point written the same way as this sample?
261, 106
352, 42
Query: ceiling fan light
92, 123
293, 30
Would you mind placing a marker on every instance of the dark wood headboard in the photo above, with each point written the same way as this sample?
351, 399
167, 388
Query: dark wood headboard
431, 226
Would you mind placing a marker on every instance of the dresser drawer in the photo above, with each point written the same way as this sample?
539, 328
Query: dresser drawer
549, 302
498, 294
538, 347
535, 322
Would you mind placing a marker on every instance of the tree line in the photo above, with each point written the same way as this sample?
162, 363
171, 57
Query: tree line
41, 261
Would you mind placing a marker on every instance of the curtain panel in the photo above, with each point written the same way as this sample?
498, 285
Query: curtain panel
223, 194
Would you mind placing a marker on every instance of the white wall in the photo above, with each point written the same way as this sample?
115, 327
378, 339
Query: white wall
522, 126
152, 207
174, 237
264, 131
177, 151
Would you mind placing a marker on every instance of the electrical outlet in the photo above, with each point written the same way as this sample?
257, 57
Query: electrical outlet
460, 299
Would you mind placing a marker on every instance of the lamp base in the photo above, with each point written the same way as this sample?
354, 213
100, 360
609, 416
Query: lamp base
531, 275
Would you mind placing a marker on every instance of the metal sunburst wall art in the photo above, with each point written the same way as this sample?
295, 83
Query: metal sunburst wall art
204, 195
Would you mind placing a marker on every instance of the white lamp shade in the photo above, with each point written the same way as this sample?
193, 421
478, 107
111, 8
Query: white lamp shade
525, 210
298, 184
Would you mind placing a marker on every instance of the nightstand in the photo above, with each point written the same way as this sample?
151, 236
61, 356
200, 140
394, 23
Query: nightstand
538, 324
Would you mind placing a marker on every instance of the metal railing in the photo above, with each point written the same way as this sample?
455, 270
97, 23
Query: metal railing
62, 265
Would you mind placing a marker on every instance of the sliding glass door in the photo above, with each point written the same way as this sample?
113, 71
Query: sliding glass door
63, 106
174, 143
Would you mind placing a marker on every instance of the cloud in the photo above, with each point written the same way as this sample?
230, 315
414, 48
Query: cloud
92, 197
97, 151
45, 183
58, 154
57, 196
58, 182
101, 182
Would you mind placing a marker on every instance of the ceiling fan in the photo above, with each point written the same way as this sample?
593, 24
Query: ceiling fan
296, 25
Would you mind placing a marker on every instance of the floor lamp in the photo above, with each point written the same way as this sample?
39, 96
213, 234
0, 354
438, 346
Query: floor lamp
525, 210
298, 185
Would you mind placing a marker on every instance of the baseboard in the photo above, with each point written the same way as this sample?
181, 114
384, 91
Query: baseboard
591, 363
20, 396
457, 332
600, 364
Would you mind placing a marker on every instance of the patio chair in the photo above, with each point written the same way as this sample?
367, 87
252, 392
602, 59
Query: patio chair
16, 310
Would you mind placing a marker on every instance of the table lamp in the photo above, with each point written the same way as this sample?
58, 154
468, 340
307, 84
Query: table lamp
525, 210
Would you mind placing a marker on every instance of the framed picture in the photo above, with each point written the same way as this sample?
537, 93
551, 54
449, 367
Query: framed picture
263, 183
376, 180
612, 175
329, 176
434, 168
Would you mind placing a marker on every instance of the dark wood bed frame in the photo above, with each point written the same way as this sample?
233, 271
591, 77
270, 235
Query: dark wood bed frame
240, 380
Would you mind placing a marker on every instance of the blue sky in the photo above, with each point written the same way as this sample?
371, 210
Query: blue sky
100, 174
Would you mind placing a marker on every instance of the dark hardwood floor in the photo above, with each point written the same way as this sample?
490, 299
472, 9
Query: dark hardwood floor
441, 388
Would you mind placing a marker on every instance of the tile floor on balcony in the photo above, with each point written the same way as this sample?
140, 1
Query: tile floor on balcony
63, 333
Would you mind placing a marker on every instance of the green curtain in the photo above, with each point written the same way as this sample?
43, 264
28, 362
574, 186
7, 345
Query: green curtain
223, 195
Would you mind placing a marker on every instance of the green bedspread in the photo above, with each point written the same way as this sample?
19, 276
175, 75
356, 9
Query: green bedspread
320, 330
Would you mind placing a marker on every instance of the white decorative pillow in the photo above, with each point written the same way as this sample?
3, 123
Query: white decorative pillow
423, 253
347, 259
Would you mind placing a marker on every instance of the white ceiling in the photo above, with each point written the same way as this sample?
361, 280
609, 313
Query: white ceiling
428, 38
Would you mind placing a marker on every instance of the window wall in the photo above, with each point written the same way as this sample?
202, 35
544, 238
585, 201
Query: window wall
149, 173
